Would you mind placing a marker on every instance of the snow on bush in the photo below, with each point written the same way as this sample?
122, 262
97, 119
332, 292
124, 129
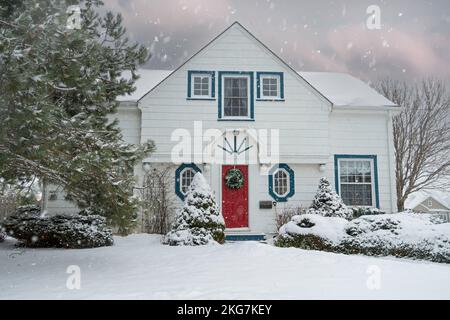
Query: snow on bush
312, 231
362, 211
419, 236
199, 222
2, 235
328, 203
59, 231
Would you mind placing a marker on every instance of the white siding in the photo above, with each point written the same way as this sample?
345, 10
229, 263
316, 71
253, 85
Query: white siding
363, 133
302, 118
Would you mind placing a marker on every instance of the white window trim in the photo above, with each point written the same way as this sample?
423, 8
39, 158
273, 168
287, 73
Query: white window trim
270, 76
248, 96
372, 180
288, 189
181, 178
209, 96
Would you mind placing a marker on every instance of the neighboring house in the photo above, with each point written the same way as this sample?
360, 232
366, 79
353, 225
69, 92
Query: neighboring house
328, 124
430, 201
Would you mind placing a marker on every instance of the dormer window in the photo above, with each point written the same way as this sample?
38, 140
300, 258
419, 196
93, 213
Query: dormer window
201, 85
270, 86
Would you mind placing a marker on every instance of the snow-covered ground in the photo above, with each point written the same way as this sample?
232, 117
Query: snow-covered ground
139, 267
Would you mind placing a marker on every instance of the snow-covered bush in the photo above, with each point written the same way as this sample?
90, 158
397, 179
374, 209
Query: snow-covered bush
328, 203
312, 232
59, 231
200, 221
418, 236
2, 235
362, 211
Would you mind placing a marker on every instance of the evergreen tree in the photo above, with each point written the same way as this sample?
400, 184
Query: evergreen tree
328, 203
199, 222
59, 85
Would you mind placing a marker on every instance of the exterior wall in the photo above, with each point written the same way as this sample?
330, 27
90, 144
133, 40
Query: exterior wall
364, 133
302, 118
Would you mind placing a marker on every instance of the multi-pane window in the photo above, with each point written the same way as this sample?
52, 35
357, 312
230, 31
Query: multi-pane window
186, 179
201, 86
281, 182
356, 182
270, 87
236, 97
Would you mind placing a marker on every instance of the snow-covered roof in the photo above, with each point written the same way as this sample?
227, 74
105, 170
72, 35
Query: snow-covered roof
344, 90
340, 88
420, 196
149, 78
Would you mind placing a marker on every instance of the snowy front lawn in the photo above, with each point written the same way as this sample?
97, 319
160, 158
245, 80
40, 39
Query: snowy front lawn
139, 267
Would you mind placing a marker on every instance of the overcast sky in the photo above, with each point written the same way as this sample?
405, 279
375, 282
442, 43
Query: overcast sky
319, 35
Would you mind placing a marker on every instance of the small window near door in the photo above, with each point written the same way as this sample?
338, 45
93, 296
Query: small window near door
187, 175
281, 182
183, 178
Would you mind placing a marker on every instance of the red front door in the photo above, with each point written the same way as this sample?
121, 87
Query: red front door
235, 201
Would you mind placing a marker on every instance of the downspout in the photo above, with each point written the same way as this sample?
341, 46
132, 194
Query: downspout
392, 182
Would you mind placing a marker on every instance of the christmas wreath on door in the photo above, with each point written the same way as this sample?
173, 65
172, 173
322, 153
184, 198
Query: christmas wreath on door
234, 179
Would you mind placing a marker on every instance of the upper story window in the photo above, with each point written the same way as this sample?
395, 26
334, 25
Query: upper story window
236, 95
281, 182
430, 203
201, 85
357, 180
270, 86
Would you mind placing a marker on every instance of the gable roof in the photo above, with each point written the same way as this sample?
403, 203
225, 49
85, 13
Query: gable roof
337, 89
419, 197
237, 24
344, 90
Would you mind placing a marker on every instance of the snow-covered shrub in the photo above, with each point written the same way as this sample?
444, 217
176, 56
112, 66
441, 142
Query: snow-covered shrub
200, 221
362, 211
312, 232
328, 203
420, 236
2, 235
286, 215
59, 231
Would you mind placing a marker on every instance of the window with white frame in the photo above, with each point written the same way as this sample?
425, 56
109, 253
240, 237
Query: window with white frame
281, 182
356, 182
270, 87
187, 175
430, 203
236, 99
201, 86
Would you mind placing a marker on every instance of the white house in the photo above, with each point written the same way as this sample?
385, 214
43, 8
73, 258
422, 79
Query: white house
430, 201
235, 99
